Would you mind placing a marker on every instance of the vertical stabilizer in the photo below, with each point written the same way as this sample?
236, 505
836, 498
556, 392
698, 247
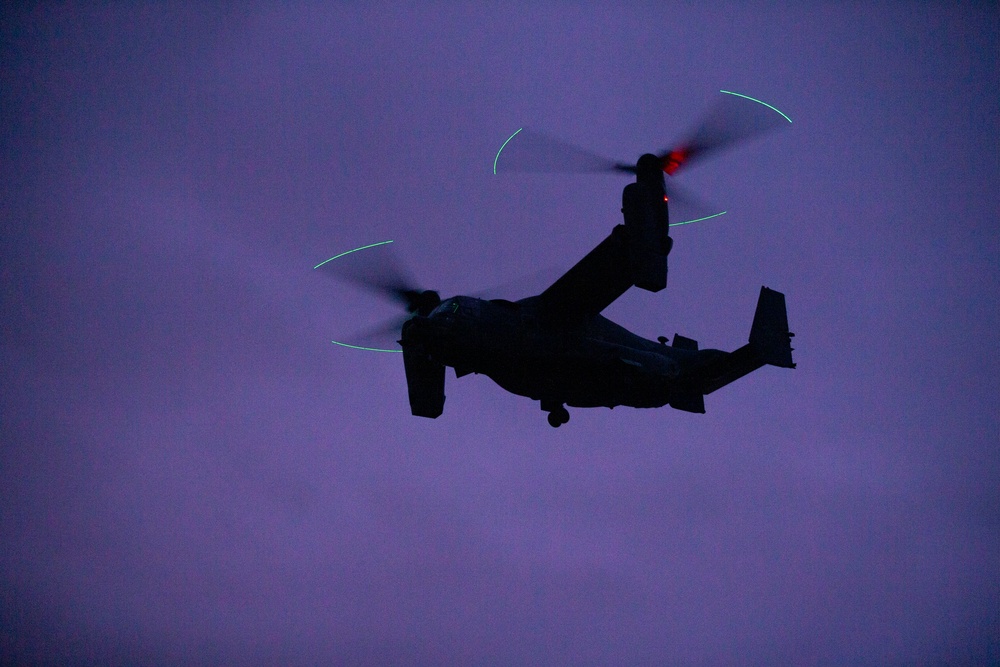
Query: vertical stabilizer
769, 335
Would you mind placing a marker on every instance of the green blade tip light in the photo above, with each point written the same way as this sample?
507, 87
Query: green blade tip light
754, 99
688, 222
360, 347
348, 252
501, 149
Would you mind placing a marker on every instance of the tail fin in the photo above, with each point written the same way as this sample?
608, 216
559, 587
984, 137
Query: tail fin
769, 335
770, 343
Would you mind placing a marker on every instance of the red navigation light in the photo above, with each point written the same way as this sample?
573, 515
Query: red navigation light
674, 160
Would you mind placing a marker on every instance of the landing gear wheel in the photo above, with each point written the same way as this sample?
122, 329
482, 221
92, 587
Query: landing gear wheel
558, 417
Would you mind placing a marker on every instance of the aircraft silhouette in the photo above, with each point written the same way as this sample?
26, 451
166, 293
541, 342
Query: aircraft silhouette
556, 347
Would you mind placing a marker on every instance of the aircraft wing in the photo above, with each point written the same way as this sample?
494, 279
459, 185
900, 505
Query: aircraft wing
593, 283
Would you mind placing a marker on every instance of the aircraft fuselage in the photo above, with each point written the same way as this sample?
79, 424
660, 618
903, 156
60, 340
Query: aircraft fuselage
592, 363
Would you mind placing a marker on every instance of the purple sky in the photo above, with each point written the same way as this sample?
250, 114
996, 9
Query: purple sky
191, 472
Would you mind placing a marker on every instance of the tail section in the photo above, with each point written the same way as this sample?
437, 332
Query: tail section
770, 343
769, 335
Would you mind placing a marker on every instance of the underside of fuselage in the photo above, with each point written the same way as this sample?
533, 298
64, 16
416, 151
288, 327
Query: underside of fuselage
583, 386
594, 363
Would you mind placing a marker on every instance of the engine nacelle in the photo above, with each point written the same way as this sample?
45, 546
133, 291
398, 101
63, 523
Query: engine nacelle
644, 207
424, 381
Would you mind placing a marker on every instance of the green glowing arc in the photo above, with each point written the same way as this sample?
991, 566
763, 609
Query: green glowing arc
501, 149
688, 222
370, 245
348, 252
366, 349
753, 99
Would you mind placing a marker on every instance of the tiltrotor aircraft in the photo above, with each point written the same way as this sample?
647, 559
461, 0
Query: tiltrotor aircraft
556, 347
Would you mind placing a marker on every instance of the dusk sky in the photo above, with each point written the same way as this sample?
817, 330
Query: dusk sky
190, 472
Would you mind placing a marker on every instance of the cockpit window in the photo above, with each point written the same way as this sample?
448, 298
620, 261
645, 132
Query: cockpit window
447, 307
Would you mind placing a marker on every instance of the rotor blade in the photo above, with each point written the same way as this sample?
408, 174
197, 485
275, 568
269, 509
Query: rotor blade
379, 271
733, 119
384, 336
686, 206
381, 337
532, 151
